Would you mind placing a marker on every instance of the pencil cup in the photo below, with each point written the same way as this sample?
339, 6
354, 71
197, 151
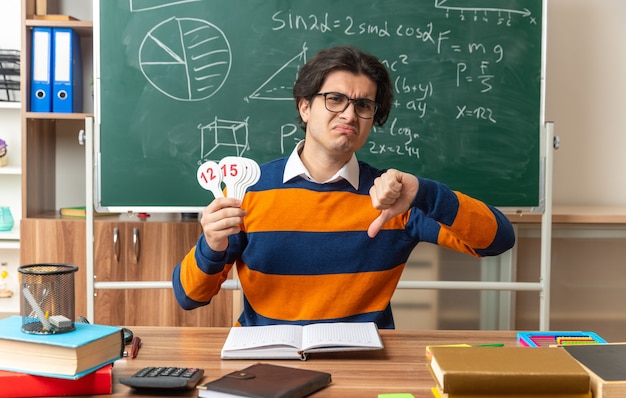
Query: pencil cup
47, 292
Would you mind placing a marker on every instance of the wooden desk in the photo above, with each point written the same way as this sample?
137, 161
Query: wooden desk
400, 367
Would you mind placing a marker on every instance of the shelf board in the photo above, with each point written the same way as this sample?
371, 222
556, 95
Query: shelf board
9, 244
115, 217
10, 239
51, 115
11, 170
83, 28
10, 105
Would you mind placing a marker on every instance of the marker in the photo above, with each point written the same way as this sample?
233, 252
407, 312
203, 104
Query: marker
33, 304
489, 345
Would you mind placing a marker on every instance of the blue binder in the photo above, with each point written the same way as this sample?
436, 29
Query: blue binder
41, 70
67, 82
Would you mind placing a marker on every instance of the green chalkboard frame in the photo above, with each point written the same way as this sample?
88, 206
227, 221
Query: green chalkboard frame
469, 81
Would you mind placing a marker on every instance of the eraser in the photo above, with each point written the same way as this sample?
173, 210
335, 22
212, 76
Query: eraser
59, 321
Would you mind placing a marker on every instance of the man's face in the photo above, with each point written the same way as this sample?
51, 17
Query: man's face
341, 133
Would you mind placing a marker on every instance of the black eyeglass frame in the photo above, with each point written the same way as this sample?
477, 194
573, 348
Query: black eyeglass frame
353, 100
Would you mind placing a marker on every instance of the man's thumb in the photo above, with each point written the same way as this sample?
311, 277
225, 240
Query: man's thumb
377, 224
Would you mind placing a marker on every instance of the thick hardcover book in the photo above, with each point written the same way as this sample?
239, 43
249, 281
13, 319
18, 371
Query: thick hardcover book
437, 393
489, 370
606, 364
17, 385
81, 212
68, 355
295, 341
263, 380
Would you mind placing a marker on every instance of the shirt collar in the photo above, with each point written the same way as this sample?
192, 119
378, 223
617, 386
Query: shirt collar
295, 168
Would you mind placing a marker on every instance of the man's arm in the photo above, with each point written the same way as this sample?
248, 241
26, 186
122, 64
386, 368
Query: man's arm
199, 276
463, 223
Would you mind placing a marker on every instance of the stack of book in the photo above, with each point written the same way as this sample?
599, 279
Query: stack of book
513, 372
606, 365
78, 362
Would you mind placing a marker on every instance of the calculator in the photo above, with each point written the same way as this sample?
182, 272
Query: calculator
162, 377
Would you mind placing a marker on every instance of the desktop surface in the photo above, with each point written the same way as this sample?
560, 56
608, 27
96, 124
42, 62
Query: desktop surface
399, 368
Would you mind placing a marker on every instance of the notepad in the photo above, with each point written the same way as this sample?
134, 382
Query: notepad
263, 380
296, 342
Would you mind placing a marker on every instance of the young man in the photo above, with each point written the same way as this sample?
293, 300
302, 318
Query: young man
323, 237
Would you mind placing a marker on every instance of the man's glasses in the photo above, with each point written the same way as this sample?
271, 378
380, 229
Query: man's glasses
337, 102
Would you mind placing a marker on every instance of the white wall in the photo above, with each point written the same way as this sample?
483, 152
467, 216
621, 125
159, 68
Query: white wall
10, 17
586, 98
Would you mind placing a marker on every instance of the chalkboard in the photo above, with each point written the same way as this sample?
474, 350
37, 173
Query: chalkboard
185, 81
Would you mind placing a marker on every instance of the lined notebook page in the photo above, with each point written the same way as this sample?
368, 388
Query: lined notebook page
258, 336
340, 334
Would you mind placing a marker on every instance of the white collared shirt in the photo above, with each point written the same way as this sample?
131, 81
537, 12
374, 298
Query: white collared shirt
295, 168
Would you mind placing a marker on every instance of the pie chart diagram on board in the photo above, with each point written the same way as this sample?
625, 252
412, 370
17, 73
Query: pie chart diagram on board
186, 59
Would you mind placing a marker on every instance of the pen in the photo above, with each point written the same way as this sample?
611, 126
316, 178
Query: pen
35, 307
489, 345
134, 348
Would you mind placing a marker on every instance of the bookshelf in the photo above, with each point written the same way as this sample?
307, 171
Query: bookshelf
53, 171
11, 173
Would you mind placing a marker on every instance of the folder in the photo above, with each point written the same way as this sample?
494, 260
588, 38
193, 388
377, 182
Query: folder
41, 67
67, 82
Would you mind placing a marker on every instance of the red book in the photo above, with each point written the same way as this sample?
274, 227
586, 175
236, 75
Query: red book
14, 384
